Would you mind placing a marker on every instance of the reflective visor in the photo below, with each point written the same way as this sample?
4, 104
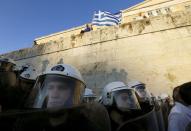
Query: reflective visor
142, 92
126, 99
56, 91
89, 99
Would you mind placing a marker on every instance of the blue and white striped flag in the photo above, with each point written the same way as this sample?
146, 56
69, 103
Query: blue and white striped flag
104, 18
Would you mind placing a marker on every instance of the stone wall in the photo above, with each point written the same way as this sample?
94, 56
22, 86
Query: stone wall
142, 9
156, 51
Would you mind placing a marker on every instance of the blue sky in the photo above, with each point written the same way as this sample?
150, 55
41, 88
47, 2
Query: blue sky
21, 21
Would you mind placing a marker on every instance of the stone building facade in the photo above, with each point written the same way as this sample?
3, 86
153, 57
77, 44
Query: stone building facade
155, 50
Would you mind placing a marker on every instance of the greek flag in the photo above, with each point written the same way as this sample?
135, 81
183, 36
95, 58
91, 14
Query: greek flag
104, 18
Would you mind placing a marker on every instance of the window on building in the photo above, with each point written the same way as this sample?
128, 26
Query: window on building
150, 13
167, 10
158, 11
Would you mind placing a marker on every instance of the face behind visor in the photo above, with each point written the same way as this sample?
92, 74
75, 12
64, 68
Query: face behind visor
117, 94
89, 96
142, 93
56, 91
125, 100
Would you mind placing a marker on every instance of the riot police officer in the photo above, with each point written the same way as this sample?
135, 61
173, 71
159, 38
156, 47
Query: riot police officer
8, 80
26, 81
9, 93
121, 102
144, 96
89, 96
59, 92
28, 77
149, 104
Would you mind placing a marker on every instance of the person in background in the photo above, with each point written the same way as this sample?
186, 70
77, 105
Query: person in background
89, 96
180, 115
87, 28
176, 96
165, 107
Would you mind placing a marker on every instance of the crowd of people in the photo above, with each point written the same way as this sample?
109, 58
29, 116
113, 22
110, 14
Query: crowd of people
58, 99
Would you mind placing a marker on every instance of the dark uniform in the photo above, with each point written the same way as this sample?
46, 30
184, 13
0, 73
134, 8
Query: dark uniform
88, 117
58, 93
147, 122
119, 117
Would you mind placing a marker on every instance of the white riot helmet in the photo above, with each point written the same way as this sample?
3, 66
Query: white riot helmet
60, 86
27, 78
141, 90
120, 95
89, 96
29, 73
6, 64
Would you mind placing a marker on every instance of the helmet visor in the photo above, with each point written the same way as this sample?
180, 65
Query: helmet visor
126, 99
89, 99
56, 91
142, 92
